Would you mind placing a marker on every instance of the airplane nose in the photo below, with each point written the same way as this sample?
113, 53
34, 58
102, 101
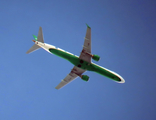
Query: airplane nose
122, 80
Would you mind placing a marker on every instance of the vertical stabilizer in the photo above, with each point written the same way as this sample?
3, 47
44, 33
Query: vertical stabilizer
40, 35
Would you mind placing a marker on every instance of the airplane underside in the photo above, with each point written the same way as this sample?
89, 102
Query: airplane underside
81, 63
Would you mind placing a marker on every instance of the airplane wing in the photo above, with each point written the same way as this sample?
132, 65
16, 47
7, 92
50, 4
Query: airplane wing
86, 46
75, 72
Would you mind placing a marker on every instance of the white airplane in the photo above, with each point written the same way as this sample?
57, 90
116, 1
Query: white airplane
81, 63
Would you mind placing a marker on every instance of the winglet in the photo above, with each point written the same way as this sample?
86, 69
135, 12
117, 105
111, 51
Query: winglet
35, 37
88, 25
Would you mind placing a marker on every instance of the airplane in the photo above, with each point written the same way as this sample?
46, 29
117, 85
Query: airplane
81, 63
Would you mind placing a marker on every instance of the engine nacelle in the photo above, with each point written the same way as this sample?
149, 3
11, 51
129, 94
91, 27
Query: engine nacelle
85, 77
96, 57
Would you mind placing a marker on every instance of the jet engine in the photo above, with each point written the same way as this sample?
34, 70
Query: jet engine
85, 77
96, 57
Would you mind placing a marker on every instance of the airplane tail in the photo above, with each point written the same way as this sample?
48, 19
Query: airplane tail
37, 38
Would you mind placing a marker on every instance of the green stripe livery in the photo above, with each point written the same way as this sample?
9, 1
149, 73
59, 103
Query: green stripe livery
84, 64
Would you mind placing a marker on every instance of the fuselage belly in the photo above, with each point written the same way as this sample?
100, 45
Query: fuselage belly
84, 64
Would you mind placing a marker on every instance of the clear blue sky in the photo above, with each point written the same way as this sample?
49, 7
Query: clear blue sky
123, 34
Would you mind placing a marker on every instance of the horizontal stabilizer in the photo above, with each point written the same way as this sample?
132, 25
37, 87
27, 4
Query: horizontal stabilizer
33, 48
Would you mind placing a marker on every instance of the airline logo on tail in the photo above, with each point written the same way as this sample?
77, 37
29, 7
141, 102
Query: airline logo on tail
35, 37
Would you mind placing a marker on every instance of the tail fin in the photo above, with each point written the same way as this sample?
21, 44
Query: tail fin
38, 38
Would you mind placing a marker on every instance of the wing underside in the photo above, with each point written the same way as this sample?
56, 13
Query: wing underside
75, 72
87, 46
